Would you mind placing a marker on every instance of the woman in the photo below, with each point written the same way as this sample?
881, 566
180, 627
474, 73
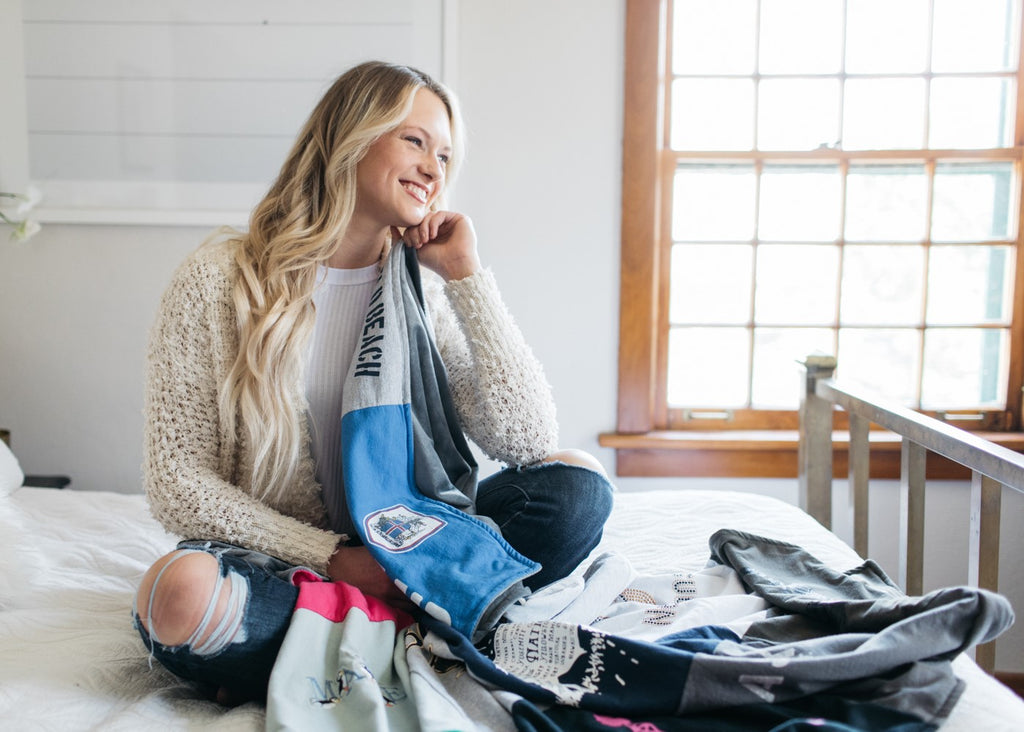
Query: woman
246, 367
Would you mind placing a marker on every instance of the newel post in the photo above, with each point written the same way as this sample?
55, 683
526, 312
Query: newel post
814, 454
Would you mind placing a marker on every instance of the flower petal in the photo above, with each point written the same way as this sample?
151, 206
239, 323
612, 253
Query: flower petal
26, 230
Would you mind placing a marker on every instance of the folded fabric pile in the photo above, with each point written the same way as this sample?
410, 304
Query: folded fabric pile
793, 640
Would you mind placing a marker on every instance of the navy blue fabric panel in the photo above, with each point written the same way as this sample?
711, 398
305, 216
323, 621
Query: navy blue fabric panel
614, 675
637, 679
529, 718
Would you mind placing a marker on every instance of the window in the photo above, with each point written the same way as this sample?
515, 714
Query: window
815, 175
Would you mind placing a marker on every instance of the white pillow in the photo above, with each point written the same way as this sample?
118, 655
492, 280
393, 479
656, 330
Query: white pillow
21, 565
11, 476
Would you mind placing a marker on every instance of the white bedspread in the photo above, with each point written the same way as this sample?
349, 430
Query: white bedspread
69, 659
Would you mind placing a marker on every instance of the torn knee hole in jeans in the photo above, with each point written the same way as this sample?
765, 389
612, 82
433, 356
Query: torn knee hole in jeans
206, 642
217, 630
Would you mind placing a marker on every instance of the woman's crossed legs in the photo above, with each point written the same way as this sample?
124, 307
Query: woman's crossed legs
218, 614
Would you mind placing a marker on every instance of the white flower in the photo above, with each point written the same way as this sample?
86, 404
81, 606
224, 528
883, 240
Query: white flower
26, 230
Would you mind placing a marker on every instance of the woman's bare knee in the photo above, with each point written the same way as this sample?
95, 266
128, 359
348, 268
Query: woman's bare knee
180, 587
573, 456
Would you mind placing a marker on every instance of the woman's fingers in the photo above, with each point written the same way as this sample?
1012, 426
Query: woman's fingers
446, 242
430, 229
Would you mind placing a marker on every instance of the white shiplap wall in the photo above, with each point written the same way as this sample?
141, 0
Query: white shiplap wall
182, 112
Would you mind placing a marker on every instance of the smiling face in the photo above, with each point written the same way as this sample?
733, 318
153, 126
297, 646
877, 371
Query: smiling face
403, 172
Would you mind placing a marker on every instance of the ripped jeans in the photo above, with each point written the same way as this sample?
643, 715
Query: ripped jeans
240, 652
552, 513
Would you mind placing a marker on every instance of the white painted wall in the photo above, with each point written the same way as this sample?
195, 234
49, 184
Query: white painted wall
541, 86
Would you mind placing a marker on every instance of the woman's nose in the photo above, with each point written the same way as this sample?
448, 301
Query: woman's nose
431, 166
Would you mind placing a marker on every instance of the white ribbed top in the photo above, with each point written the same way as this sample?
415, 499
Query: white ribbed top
341, 299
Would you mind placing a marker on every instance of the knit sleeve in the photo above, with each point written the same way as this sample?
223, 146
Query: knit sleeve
498, 385
192, 483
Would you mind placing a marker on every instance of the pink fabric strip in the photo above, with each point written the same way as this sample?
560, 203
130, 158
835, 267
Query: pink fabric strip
333, 600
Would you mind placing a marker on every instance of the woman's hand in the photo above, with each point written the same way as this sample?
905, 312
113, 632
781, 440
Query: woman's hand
446, 243
355, 565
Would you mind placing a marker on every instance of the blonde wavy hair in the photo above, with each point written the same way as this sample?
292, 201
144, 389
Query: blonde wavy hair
297, 226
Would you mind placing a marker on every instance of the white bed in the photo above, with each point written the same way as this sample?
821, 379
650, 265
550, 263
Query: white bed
71, 661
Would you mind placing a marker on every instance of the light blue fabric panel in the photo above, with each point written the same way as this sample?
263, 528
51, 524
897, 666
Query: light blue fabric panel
449, 563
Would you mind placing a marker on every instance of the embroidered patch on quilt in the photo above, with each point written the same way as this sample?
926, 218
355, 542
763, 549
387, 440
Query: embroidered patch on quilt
399, 528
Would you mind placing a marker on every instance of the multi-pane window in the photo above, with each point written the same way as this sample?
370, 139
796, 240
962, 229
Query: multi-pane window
840, 176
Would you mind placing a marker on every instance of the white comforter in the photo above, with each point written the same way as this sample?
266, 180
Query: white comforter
69, 659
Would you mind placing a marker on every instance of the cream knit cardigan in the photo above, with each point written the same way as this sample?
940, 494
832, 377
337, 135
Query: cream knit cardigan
199, 489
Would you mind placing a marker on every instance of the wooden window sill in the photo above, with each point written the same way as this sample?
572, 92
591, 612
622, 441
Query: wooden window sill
763, 454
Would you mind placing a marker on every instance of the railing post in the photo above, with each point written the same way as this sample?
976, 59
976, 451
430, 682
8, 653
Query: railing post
814, 453
983, 549
860, 470
913, 458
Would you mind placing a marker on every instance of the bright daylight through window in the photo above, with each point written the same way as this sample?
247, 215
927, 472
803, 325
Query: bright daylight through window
841, 177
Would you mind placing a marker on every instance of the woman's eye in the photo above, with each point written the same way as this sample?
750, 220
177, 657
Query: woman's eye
415, 141
443, 158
